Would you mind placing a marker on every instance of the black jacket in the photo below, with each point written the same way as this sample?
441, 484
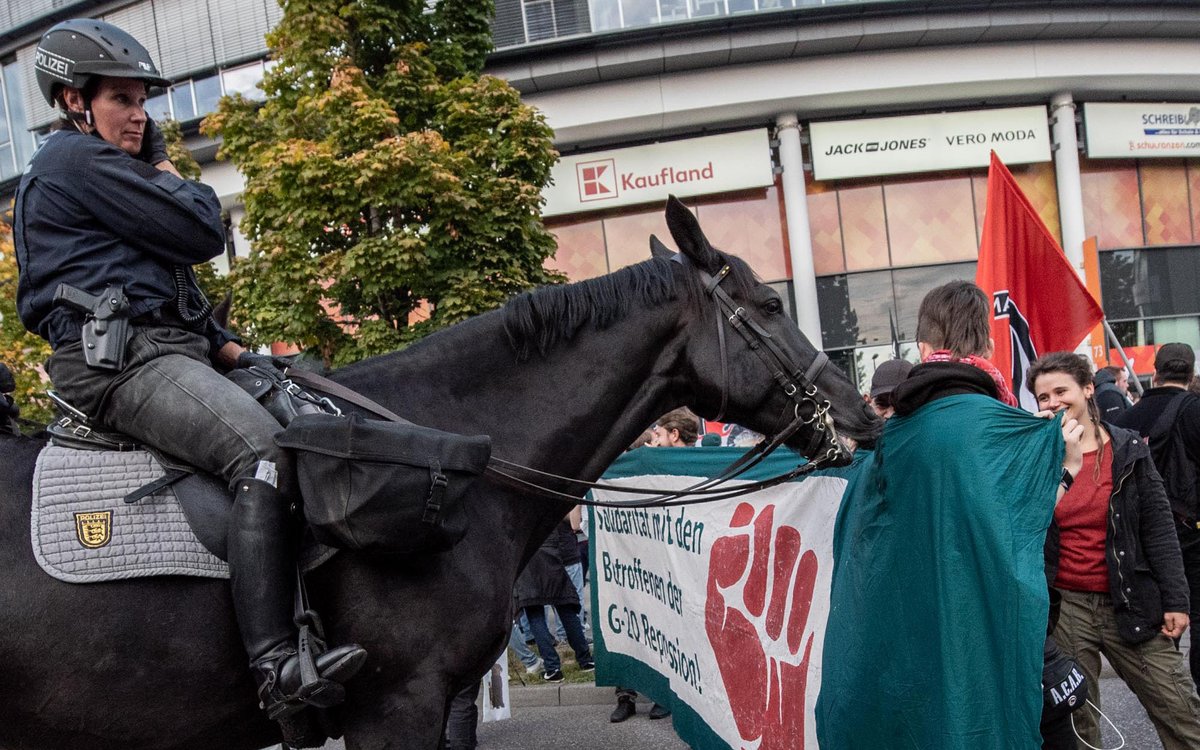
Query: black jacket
545, 579
1108, 397
89, 215
1145, 567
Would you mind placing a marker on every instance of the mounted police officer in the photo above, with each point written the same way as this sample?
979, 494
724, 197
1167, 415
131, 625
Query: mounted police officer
102, 218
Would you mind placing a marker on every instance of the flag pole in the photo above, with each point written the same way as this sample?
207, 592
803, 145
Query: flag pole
1112, 338
895, 335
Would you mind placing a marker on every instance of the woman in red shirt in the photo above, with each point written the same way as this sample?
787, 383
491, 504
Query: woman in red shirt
1113, 554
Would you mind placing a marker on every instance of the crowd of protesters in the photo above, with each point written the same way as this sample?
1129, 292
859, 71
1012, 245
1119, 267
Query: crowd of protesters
1120, 550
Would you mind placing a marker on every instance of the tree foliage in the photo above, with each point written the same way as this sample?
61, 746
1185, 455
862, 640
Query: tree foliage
391, 189
23, 352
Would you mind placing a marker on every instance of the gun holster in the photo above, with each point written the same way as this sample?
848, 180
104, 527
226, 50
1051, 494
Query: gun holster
106, 324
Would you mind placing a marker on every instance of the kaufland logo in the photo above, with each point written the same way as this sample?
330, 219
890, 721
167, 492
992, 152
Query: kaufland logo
597, 180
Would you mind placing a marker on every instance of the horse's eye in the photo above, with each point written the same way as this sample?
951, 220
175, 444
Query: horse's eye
772, 306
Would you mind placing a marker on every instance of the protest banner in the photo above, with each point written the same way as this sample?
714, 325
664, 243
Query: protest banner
716, 610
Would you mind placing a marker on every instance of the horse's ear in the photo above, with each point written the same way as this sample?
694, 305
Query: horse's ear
686, 232
659, 250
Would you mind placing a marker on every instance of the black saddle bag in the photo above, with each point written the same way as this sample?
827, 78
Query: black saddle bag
384, 487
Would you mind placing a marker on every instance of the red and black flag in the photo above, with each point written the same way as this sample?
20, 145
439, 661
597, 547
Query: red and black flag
1039, 303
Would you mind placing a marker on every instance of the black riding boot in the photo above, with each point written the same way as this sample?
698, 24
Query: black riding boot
262, 573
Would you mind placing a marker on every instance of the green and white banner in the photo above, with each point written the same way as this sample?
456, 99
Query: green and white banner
716, 610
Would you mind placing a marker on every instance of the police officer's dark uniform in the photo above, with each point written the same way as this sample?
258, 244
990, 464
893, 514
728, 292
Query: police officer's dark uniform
89, 215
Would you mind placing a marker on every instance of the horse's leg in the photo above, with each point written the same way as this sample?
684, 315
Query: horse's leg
408, 717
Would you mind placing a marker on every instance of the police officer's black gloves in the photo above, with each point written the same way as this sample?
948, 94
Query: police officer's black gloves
8, 383
154, 146
270, 363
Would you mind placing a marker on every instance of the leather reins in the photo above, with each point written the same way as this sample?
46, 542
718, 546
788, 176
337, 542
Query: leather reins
797, 383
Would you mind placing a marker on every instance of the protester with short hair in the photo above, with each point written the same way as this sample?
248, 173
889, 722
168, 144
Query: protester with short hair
1168, 416
1113, 555
939, 606
678, 428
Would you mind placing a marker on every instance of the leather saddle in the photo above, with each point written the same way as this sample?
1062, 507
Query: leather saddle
205, 499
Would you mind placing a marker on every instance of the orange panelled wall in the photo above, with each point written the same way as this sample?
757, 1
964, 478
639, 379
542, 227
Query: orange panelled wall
1193, 174
749, 225
627, 236
1040, 186
864, 227
1111, 204
930, 221
979, 196
580, 249
825, 221
1166, 215
1038, 183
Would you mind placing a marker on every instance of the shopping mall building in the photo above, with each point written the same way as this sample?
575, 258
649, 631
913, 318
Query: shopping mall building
839, 146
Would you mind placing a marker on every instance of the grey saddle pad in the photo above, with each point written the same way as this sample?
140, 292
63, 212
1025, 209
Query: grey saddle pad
83, 531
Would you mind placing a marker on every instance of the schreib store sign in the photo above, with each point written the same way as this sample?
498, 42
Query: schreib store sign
926, 143
1116, 131
648, 174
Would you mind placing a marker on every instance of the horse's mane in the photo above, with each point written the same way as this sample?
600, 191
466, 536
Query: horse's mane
544, 318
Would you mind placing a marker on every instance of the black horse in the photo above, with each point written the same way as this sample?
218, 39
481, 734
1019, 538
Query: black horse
562, 379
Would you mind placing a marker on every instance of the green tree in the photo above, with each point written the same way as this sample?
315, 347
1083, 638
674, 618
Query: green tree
391, 189
23, 352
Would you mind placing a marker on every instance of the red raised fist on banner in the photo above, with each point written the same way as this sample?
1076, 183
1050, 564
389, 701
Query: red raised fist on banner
760, 590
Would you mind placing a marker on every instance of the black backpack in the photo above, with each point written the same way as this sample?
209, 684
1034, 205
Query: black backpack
1172, 460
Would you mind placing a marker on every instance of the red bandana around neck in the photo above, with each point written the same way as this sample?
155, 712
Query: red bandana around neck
1006, 394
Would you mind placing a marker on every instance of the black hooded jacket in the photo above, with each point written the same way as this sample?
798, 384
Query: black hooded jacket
933, 380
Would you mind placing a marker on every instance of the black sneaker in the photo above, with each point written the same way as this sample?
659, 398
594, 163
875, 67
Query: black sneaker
555, 676
587, 666
659, 712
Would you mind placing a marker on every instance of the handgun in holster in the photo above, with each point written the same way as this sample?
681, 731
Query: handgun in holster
105, 325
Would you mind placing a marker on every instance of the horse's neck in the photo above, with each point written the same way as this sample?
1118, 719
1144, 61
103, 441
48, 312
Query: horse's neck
571, 412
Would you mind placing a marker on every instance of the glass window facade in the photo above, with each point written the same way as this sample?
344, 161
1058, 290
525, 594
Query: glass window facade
520, 22
16, 143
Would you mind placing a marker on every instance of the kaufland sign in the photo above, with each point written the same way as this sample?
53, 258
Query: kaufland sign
648, 174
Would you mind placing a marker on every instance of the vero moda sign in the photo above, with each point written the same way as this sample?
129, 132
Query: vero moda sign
649, 174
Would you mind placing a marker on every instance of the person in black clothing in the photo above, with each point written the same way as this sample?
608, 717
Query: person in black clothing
1176, 451
102, 209
545, 582
1112, 389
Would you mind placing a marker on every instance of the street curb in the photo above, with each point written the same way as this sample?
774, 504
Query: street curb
572, 694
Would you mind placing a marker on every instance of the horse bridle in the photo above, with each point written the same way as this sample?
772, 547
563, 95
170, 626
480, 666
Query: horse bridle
799, 385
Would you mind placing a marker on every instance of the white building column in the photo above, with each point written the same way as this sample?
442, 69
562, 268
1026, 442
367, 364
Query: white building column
795, 203
1066, 168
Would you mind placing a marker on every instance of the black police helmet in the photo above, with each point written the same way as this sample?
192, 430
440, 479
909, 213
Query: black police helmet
74, 51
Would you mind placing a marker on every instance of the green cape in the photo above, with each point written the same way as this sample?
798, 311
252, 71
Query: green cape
939, 602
